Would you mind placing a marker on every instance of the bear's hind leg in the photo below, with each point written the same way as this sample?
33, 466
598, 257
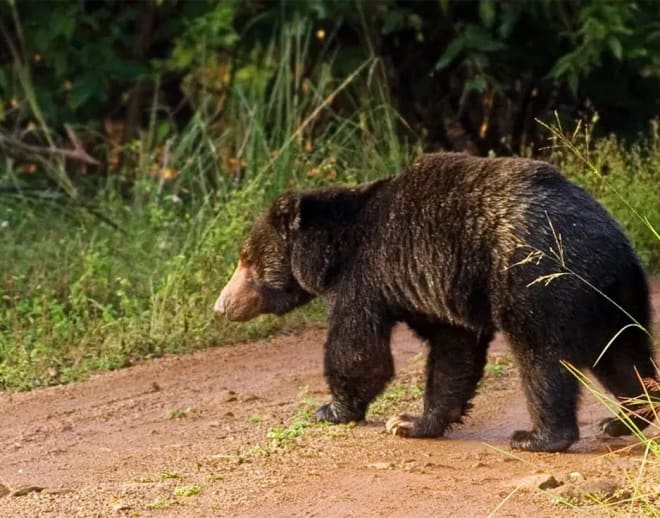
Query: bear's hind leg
454, 367
552, 395
618, 371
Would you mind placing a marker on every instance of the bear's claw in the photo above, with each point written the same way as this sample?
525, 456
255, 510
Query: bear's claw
401, 425
337, 413
614, 427
327, 413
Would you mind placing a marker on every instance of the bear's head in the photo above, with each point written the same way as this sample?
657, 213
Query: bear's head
263, 281
296, 251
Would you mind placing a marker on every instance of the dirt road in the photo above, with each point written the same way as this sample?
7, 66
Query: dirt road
225, 432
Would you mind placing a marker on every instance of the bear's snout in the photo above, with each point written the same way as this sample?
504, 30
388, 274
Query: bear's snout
219, 306
239, 300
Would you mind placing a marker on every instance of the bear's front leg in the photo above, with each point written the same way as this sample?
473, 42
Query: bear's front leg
358, 365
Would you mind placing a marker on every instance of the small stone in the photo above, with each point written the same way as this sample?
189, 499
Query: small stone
120, 506
26, 490
4, 491
227, 396
542, 481
567, 491
601, 487
576, 477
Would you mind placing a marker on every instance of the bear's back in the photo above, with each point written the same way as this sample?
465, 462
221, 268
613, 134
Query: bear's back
472, 220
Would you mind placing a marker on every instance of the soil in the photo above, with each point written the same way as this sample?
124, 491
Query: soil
225, 432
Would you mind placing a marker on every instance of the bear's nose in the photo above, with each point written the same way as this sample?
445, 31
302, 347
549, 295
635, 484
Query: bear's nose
220, 304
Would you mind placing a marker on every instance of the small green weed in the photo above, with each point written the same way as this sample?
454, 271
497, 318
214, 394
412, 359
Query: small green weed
162, 503
390, 401
338, 431
281, 437
498, 366
171, 475
187, 491
179, 413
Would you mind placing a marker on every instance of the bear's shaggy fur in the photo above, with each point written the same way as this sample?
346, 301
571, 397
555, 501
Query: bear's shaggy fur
457, 247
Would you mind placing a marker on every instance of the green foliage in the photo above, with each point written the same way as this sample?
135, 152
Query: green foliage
206, 33
81, 57
625, 30
59, 46
625, 178
498, 64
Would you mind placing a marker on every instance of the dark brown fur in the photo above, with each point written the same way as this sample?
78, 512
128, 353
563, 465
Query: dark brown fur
452, 246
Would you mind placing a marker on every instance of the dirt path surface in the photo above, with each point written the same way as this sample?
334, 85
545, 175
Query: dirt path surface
226, 432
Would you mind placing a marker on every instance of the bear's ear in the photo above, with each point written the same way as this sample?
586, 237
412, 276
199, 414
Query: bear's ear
284, 213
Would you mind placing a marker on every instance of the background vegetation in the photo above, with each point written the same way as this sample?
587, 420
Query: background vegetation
139, 139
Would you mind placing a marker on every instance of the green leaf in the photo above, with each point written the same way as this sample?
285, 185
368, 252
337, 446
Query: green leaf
163, 130
126, 70
477, 38
562, 66
85, 89
509, 17
60, 65
476, 84
615, 47
64, 24
393, 21
453, 50
487, 12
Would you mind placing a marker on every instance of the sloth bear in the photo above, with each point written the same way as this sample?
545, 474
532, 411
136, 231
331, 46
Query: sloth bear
457, 247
